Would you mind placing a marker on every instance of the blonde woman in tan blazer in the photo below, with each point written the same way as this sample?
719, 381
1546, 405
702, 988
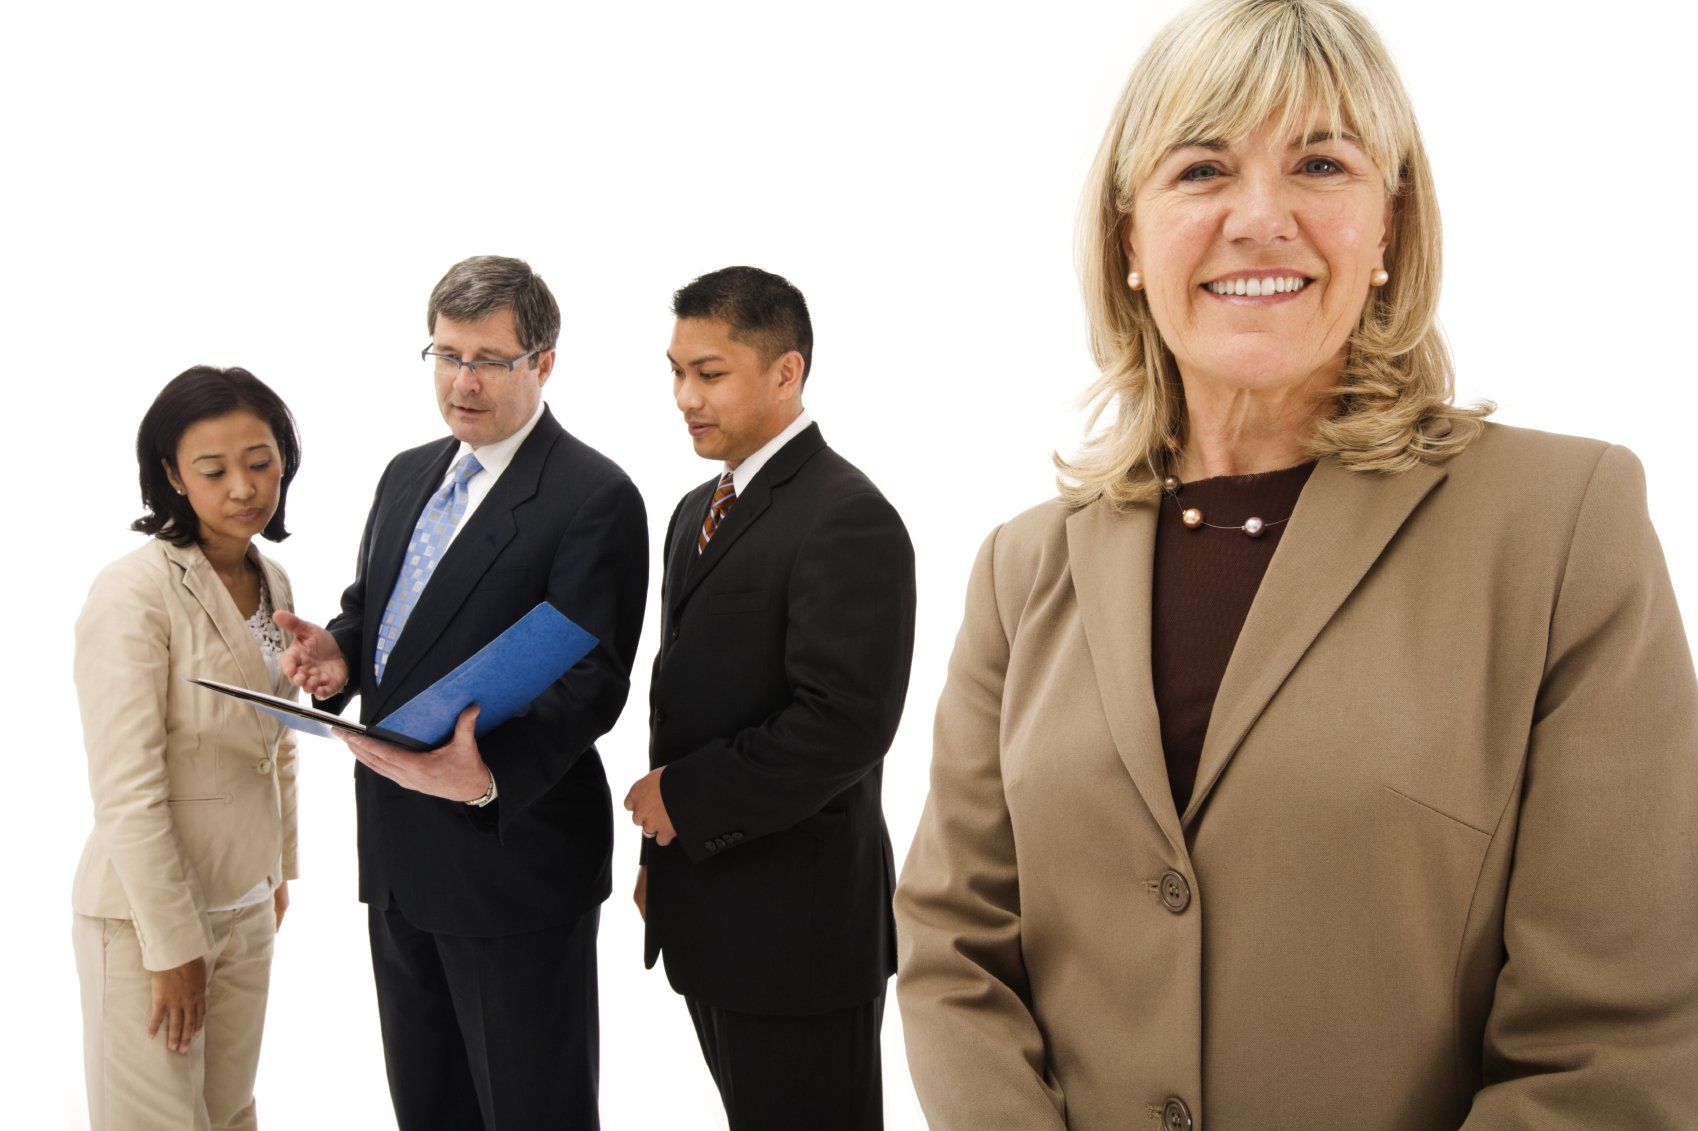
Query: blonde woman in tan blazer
1325, 756
183, 882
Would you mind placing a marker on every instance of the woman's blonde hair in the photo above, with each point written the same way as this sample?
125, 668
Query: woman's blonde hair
1220, 71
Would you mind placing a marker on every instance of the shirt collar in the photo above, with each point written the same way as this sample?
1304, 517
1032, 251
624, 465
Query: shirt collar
495, 457
745, 472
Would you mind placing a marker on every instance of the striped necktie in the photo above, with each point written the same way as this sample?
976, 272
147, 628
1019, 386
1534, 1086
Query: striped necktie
430, 537
723, 496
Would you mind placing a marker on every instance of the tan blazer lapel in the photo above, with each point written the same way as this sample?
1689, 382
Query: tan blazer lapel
1111, 555
202, 582
1342, 523
281, 599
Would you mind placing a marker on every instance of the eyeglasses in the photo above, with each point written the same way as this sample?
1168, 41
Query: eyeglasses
447, 365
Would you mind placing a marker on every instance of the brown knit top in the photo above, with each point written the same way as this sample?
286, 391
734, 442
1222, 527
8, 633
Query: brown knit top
1205, 580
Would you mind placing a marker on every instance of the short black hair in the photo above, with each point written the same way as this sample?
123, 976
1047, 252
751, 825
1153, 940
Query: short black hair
763, 310
197, 394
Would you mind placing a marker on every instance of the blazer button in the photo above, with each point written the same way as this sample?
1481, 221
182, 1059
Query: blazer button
674, 634
263, 766
711, 845
736, 837
1175, 1116
660, 716
1176, 897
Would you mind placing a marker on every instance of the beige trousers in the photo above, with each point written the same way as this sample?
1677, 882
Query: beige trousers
134, 1083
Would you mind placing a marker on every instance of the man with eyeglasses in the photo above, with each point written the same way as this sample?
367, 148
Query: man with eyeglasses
484, 863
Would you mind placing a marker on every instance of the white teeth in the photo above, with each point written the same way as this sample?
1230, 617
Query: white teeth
1256, 288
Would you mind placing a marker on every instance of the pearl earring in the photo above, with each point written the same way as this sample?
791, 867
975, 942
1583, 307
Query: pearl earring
1380, 277
1134, 280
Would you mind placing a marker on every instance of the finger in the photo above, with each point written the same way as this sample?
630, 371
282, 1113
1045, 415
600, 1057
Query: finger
630, 800
174, 1028
155, 1019
663, 838
293, 624
465, 726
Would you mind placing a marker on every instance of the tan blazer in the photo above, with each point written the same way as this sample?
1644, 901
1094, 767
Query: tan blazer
1441, 864
194, 793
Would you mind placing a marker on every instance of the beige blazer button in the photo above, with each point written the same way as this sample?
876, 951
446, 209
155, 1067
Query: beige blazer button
263, 766
1175, 1116
1175, 891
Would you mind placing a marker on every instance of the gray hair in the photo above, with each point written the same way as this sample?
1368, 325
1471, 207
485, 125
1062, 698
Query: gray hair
475, 288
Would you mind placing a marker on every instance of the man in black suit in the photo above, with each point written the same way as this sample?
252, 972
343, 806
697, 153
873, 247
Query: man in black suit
484, 863
786, 634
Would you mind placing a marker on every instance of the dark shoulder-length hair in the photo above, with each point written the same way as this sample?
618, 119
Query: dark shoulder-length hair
197, 394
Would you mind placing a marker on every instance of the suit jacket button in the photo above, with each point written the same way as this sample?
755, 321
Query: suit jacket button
263, 766
735, 837
1175, 1116
711, 845
1176, 897
674, 634
659, 716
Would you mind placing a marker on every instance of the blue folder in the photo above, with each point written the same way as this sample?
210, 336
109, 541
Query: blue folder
502, 678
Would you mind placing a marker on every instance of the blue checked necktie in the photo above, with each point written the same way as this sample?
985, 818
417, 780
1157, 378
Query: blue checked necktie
723, 496
430, 537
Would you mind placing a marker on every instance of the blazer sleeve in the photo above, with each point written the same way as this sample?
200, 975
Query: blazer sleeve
665, 556
600, 580
287, 768
848, 647
121, 667
1594, 1021
974, 1048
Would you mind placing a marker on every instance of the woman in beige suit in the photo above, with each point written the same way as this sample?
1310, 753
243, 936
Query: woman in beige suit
184, 879
1324, 756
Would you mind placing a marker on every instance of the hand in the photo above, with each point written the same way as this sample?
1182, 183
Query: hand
179, 1001
641, 895
313, 661
456, 771
648, 810
280, 901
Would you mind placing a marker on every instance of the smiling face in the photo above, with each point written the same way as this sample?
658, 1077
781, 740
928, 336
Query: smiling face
733, 399
1257, 255
229, 469
486, 409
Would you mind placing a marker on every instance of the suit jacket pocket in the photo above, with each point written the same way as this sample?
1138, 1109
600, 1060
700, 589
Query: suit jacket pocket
824, 825
750, 601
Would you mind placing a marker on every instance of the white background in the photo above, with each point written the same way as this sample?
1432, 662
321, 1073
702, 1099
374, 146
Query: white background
279, 187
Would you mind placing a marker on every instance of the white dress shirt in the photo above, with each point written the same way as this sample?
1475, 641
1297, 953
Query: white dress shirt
494, 458
744, 473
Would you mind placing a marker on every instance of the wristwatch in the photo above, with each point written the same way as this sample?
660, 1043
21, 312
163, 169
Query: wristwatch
489, 794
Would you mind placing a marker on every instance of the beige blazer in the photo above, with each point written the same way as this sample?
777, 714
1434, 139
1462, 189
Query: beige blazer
194, 793
1441, 864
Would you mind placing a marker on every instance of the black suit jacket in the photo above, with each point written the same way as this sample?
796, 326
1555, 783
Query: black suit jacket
783, 664
563, 523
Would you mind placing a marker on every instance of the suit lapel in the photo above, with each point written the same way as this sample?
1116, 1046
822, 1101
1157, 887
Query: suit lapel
1343, 522
1104, 548
681, 553
203, 584
470, 555
389, 546
748, 508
